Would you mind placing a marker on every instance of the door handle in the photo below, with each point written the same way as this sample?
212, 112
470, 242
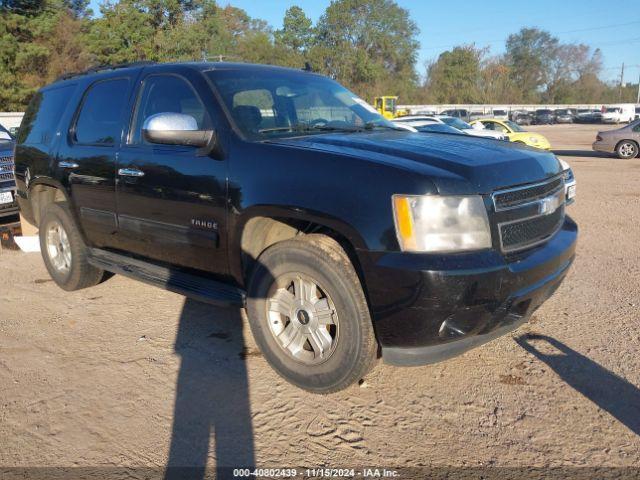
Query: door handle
64, 164
130, 172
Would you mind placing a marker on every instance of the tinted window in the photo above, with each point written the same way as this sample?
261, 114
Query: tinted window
100, 118
43, 114
167, 94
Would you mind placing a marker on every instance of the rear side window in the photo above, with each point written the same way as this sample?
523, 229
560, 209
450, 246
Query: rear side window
100, 119
43, 114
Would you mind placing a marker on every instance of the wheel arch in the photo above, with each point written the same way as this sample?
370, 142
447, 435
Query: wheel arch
42, 192
628, 140
262, 228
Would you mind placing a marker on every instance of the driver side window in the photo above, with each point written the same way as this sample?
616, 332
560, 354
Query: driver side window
167, 94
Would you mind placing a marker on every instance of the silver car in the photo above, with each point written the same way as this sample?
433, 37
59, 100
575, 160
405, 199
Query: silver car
621, 141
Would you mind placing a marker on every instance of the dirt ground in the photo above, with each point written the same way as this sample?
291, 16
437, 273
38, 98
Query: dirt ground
116, 374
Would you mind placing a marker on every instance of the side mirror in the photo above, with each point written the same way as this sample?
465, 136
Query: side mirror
175, 129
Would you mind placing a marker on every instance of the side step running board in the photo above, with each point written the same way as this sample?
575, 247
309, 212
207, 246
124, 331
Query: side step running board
192, 286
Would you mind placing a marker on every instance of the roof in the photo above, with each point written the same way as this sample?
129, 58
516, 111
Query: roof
201, 66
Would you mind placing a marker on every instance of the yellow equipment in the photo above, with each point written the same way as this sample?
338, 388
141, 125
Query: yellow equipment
386, 106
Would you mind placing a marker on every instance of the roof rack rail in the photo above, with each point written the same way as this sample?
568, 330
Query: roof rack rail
101, 68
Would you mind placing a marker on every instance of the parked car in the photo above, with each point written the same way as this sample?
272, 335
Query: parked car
622, 113
470, 130
565, 115
417, 121
515, 133
431, 127
342, 235
588, 116
461, 113
522, 118
569, 182
621, 141
500, 114
8, 204
477, 114
544, 116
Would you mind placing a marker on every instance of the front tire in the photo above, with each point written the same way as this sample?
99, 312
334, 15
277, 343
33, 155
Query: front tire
627, 149
309, 316
63, 251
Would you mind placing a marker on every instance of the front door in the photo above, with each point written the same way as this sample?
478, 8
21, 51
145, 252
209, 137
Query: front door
171, 201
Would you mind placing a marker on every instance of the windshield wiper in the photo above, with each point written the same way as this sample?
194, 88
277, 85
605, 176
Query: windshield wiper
300, 127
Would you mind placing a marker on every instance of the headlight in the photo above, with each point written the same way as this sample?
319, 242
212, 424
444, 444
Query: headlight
568, 175
434, 223
533, 139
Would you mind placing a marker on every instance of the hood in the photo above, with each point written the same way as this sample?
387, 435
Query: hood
456, 164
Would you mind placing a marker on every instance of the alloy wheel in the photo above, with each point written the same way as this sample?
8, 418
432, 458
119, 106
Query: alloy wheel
302, 319
58, 247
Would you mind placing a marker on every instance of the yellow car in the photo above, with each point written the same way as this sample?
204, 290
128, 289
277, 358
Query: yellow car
515, 132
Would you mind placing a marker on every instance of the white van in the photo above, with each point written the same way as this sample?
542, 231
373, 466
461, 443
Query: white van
621, 113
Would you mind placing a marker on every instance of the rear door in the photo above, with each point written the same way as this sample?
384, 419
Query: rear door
172, 201
88, 155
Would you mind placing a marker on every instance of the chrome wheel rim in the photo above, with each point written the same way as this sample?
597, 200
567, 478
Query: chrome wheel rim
627, 149
302, 319
58, 248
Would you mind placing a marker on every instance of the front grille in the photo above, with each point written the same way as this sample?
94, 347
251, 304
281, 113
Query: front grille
521, 195
6, 168
530, 232
528, 215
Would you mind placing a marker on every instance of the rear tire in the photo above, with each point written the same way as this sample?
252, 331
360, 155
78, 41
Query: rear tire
627, 149
309, 316
64, 252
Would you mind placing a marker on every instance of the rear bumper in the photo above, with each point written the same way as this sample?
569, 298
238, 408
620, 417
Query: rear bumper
430, 308
600, 146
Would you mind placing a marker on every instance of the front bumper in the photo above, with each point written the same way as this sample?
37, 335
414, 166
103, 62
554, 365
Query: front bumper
9, 209
428, 308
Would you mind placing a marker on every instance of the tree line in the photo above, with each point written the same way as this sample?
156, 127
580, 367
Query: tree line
370, 46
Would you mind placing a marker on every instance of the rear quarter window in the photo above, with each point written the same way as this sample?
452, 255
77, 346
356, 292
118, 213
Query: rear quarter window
41, 119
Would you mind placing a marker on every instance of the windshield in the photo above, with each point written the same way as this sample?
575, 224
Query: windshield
499, 112
543, 112
456, 123
612, 110
514, 126
268, 104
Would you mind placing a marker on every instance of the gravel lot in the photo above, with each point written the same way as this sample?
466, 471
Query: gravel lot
116, 374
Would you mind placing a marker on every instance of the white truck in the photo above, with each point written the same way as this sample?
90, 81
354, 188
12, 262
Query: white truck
620, 113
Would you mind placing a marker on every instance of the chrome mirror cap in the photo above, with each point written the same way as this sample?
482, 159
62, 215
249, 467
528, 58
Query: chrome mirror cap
170, 121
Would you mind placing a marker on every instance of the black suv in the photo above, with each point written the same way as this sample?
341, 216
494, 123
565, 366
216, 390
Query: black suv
280, 191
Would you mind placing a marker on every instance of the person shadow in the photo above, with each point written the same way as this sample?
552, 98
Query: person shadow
212, 395
603, 387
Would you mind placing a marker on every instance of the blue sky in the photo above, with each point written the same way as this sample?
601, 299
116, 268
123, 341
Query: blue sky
613, 26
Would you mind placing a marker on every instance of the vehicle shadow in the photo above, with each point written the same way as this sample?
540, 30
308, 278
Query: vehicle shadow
212, 395
603, 387
583, 153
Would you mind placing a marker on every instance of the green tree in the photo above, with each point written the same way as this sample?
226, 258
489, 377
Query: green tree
530, 54
454, 77
38, 41
297, 30
368, 45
